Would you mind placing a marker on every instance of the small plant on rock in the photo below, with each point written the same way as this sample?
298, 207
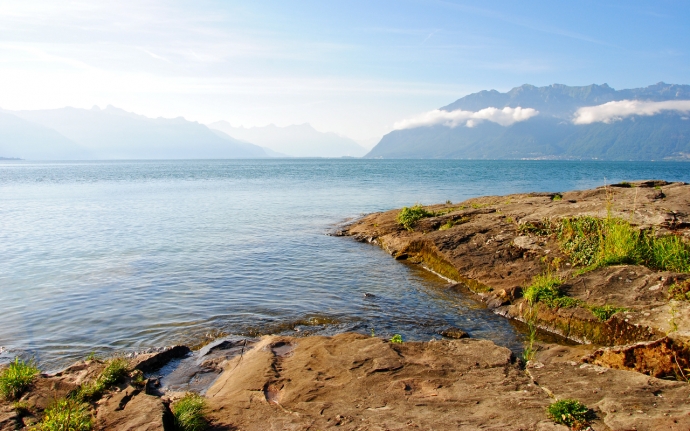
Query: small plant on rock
397, 339
190, 412
66, 415
407, 217
569, 412
16, 378
114, 370
449, 224
530, 350
604, 313
544, 288
680, 291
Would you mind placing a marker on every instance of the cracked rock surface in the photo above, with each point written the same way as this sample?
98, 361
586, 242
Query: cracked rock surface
355, 382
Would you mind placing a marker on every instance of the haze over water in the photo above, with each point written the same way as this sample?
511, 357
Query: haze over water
105, 256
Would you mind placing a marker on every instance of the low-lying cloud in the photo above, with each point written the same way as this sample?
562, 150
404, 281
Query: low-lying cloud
614, 111
504, 117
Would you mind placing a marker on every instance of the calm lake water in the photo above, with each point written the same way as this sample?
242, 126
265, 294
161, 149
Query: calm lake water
105, 256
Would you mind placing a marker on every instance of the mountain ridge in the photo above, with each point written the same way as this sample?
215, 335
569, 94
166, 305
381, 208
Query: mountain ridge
113, 133
551, 133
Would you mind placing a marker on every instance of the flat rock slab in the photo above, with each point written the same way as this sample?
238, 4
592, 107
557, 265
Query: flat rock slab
132, 409
354, 382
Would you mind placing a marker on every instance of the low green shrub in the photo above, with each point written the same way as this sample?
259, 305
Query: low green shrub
190, 413
407, 217
17, 378
66, 415
579, 238
543, 228
569, 412
397, 339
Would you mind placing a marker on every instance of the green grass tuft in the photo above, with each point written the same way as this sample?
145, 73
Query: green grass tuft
397, 339
447, 225
407, 217
604, 313
190, 412
544, 288
569, 412
114, 370
593, 242
66, 415
17, 378
669, 253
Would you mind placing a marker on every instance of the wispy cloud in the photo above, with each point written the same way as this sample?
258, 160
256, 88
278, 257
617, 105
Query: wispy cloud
153, 55
525, 23
614, 111
504, 117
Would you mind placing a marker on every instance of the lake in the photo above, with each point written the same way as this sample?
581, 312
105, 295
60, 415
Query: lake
127, 255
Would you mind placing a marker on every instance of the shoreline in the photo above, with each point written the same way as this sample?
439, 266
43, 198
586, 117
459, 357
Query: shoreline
633, 334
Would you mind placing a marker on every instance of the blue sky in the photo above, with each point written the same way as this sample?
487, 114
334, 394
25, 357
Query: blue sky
352, 67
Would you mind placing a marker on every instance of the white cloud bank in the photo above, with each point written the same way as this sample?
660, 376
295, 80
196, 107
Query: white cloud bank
504, 117
614, 111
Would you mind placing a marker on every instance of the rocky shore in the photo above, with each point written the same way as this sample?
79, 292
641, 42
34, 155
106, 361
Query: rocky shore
625, 312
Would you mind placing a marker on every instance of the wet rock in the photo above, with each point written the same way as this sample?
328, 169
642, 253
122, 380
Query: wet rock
454, 333
153, 361
197, 371
498, 298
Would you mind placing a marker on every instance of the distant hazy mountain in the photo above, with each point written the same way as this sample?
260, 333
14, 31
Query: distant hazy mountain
591, 122
23, 139
112, 133
295, 141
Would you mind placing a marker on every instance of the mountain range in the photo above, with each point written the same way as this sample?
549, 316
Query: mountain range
294, 141
112, 133
553, 122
